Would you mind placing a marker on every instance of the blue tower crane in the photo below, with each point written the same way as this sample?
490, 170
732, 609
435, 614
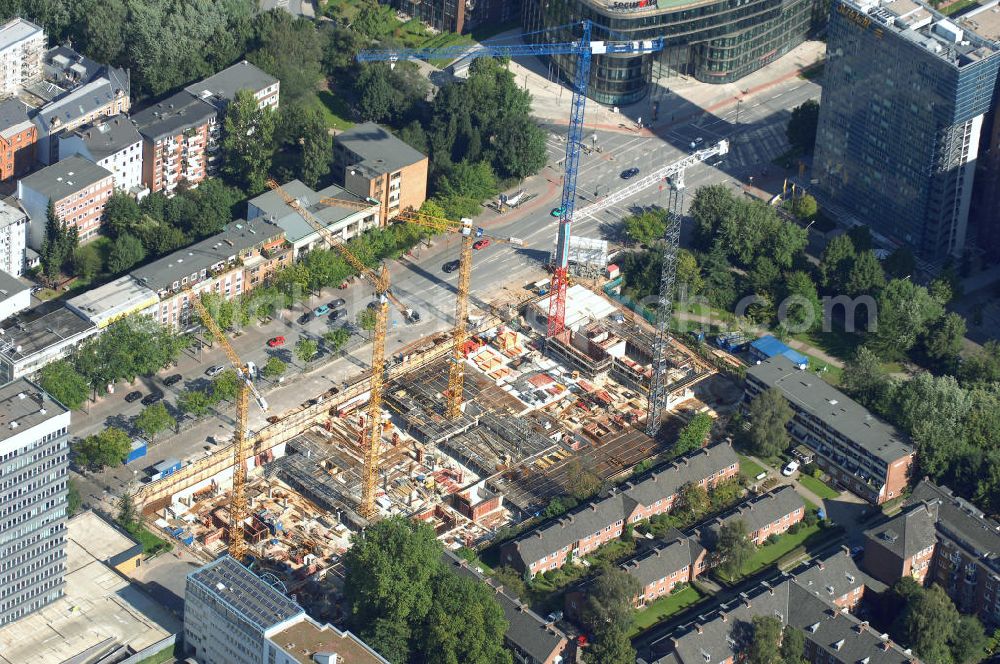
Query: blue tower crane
584, 48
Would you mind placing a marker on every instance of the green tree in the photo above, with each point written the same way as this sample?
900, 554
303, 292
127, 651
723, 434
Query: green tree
793, 644
711, 204
981, 367
305, 350
769, 414
942, 342
866, 380
610, 602
87, 262
373, 21
584, 484
105, 449
968, 643
720, 283
865, 275
765, 644
129, 517
801, 130
646, 227
390, 571
366, 319
121, 214
520, 148
610, 646
225, 386
126, 252
927, 624
800, 309
465, 623
274, 367
900, 263
805, 207
689, 279
462, 189
694, 434
291, 50
57, 246
904, 312
247, 142
73, 499
194, 402
694, 500
65, 384
511, 580
335, 339
733, 548
835, 263
154, 419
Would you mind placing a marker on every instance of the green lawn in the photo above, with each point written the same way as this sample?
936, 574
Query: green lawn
770, 553
151, 544
837, 343
663, 608
334, 109
749, 467
818, 487
165, 655
827, 371
958, 7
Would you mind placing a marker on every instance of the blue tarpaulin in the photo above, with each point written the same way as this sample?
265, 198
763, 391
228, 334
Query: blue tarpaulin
768, 346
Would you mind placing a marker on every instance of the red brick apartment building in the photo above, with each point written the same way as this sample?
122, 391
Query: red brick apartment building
18, 135
862, 453
768, 514
585, 529
78, 188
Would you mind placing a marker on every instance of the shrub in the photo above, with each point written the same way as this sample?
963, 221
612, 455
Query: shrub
772, 538
811, 518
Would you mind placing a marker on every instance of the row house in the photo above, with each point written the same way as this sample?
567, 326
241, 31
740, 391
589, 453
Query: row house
943, 539
18, 136
771, 513
180, 136
862, 453
218, 264
530, 638
585, 529
114, 144
804, 600
79, 190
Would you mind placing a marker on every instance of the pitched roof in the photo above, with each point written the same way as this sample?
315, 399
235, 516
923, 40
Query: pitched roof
274, 206
13, 112
693, 467
833, 577
379, 150
812, 394
221, 88
655, 564
960, 520
79, 102
174, 115
528, 631
908, 532
65, 177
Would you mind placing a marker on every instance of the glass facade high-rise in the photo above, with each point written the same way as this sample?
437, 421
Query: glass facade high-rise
719, 41
904, 95
34, 451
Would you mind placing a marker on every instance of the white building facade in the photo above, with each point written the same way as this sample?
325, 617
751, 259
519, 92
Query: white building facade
13, 239
22, 44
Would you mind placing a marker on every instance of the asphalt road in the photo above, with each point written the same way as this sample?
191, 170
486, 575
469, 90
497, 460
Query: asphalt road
420, 282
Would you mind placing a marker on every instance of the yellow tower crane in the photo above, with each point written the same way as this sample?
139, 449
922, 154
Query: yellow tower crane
371, 436
238, 502
456, 372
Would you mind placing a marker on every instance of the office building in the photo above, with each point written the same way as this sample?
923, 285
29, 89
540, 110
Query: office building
231, 616
34, 463
341, 222
18, 136
715, 42
113, 301
21, 46
28, 346
859, 451
942, 539
228, 264
114, 144
13, 238
905, 92
79, 190
370, 162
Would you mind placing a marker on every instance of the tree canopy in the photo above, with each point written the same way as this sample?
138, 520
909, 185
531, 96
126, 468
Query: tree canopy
801, 130
248, 142
769, 414
733, 548
105, 449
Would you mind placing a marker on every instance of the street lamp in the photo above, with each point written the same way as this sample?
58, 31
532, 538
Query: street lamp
739, 102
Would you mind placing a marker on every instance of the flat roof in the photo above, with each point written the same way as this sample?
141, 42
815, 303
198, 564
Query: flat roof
173, 116
24, 403
379, 150
117, 298
984, 21
65, 177
99, 538
10, 285
52, 329
237, 237
100, 608
295, 227
13, 112
246, 593
17, 30
815, 396
304, 639
110, 136
224, 85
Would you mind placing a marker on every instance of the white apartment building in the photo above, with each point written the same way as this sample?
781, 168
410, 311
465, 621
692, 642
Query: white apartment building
114, 144
22, 44
13, 239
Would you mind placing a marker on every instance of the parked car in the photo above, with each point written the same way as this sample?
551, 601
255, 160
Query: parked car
151, 398
790, 469
305, 318
133, 396
338, 303
321, 310
337, 314
172, 379
481, 244
557, 211
214, 371
450, 267
629, 173
696, 142
274, 342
